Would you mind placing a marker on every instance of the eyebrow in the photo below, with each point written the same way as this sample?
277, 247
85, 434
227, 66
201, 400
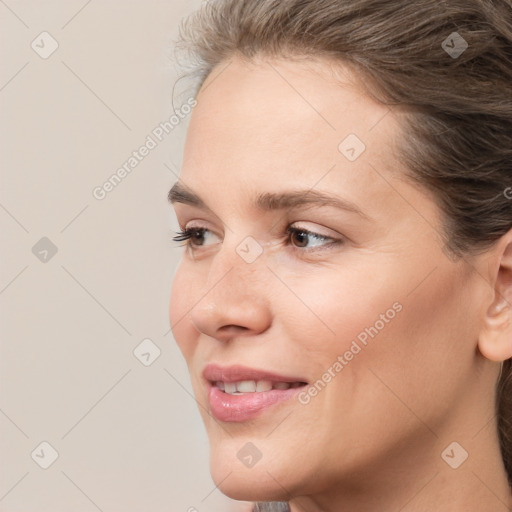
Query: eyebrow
270, 201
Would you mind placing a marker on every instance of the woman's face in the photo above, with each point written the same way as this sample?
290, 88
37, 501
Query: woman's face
367, 309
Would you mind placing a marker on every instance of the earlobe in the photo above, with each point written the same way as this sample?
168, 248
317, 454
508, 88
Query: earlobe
495, 340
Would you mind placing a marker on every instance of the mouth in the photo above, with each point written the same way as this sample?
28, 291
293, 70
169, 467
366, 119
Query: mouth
252, 386
238, 393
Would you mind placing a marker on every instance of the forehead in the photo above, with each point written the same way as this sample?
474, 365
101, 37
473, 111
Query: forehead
286, 104
269, 115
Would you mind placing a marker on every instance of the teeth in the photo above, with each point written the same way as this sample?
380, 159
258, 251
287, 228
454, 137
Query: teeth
263, 385
252, 386
230, 388
246, 386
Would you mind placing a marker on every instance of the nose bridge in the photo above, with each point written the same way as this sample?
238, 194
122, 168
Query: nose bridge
238, 269
234, 293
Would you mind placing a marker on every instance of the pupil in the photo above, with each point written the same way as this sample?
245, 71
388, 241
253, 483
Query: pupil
302, 238
197, 235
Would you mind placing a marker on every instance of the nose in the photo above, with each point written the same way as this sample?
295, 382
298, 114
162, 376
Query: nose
235, 299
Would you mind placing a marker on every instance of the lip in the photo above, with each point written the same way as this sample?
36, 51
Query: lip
240, 408
214, 372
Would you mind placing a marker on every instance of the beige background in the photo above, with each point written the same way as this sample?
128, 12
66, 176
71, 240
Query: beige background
128, 436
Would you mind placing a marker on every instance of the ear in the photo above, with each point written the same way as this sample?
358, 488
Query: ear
495, 340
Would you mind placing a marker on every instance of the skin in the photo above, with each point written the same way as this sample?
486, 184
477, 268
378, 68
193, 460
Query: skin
372, 439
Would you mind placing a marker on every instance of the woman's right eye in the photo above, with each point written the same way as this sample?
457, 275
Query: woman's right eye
193, 236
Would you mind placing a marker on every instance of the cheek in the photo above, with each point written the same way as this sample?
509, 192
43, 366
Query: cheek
334, 307
367, 302
407, 341
383, 326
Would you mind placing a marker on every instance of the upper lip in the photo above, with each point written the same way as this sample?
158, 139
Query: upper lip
237, 373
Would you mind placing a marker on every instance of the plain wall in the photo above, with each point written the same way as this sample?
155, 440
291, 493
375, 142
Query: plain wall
129, 436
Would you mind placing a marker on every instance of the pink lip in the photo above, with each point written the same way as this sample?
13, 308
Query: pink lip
235, 373
239, 408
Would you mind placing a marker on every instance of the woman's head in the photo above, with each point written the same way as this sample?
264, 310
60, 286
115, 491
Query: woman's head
385, 130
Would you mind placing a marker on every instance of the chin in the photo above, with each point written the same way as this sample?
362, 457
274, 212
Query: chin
243, 483
246, 488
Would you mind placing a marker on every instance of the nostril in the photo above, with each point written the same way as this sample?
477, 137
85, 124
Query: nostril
232, 329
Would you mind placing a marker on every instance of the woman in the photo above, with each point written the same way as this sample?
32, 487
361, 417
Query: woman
344, 303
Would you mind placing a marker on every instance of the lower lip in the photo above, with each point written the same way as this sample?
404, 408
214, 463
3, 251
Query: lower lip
238, 408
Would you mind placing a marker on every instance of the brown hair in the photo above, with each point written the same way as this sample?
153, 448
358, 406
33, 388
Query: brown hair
458, 138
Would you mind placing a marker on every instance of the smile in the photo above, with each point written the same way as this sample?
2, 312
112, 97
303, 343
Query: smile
253, 386
238, 393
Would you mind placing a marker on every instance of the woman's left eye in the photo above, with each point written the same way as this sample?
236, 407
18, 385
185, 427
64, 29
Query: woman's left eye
304, 238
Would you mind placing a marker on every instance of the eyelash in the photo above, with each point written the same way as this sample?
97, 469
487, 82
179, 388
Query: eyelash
186, 234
